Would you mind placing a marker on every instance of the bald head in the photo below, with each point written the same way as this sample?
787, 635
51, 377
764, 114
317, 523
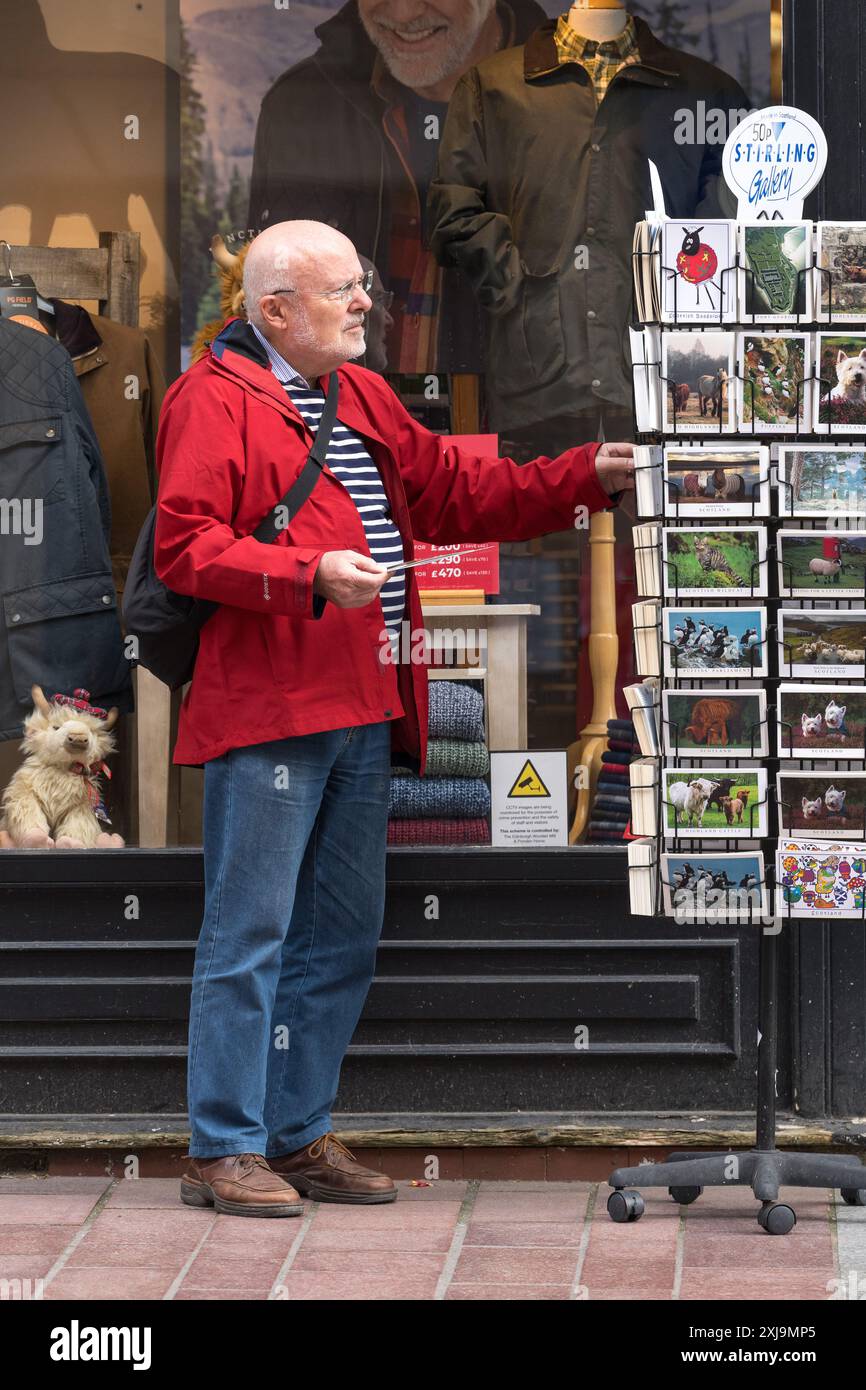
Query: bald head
307, 259
288, 255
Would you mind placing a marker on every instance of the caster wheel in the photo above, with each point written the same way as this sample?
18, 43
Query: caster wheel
684, 1196
624, 1205
854, 1196
777, 1219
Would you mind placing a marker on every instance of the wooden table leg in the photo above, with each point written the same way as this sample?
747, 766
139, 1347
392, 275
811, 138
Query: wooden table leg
506, 683
153, 704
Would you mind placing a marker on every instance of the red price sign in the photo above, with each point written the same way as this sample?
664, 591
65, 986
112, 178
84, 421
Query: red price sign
467, 566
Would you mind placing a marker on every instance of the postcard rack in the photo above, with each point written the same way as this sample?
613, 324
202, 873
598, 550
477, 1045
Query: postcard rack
770, 902
769, 588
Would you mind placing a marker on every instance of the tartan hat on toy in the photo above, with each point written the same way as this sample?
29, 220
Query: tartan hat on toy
80, 699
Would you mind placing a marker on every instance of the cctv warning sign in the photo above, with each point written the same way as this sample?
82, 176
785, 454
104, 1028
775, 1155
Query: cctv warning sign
528, 782
529, 800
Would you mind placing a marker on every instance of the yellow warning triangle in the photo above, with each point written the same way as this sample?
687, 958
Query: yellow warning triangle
528, 783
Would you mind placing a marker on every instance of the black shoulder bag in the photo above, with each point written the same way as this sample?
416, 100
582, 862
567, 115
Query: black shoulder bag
166, 625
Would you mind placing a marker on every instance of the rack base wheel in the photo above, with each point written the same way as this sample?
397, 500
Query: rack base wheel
854, 1196
625, 1205
684, 1196
777, 1218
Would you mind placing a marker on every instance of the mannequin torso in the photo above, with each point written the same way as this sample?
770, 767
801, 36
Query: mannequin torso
600, 21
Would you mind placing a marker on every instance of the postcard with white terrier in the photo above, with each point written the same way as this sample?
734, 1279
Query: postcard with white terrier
841, 392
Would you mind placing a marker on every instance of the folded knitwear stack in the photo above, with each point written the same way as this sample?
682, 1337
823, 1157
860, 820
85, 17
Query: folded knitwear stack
611, 808
450, 804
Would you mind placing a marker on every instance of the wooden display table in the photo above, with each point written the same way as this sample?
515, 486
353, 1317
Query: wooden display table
504, 669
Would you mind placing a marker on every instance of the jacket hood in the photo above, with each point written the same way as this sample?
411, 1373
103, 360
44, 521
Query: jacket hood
237, 336
237, 350
75, 328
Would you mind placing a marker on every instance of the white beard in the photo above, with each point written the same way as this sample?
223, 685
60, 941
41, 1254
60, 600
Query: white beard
429, 69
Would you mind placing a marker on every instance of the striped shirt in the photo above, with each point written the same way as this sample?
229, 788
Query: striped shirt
349, 461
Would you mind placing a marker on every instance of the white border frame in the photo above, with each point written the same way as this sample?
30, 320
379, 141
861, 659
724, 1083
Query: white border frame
758, 591
704, 752
735, 831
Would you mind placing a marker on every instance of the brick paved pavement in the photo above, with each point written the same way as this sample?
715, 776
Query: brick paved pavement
95, 1238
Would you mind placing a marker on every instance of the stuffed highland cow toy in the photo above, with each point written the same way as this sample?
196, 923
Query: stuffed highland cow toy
53, 800
231, 278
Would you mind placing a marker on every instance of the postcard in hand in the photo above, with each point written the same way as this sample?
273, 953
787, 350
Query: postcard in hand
715, 643
822, 804
709, 481
817, 722
731, 802
696, 371
818, 643
726, 558
707, 724
822, 564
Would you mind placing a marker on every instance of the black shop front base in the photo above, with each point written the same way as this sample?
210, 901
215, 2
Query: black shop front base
521, 1022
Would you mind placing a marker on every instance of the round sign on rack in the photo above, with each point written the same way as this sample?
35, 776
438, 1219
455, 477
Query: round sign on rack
773, 159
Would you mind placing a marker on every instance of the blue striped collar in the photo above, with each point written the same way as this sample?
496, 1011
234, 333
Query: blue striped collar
282, 370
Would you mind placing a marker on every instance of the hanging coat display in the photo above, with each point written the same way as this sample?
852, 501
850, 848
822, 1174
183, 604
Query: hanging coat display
59, 626
538, 187
123, 387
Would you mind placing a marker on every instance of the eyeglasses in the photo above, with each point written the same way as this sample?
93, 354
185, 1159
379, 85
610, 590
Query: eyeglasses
344, 293
384, 299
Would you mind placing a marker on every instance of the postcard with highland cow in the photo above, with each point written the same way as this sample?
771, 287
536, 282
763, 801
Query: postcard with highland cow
696, 378
822, 804
816, 722
703, 724
729, 803
820, 881
822, 564
820, 643
726, 559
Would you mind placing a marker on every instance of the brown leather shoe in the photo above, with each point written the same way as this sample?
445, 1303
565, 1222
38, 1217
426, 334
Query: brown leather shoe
327, 1172
238, 1185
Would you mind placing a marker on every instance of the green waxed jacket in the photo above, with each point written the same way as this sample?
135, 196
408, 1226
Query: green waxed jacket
536, 194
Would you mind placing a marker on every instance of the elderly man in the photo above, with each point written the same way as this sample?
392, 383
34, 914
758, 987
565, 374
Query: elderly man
296, 707
350, 136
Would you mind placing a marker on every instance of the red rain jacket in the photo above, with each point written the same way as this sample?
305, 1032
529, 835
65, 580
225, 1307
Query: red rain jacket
276, 660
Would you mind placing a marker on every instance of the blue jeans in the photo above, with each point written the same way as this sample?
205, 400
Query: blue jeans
294, 838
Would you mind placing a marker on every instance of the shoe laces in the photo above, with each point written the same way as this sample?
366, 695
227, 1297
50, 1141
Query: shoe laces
246, 1162
328, 1144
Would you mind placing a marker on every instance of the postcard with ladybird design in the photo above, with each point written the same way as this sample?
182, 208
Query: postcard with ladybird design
698, 272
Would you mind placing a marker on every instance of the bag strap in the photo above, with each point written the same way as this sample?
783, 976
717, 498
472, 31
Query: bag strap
286, 510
